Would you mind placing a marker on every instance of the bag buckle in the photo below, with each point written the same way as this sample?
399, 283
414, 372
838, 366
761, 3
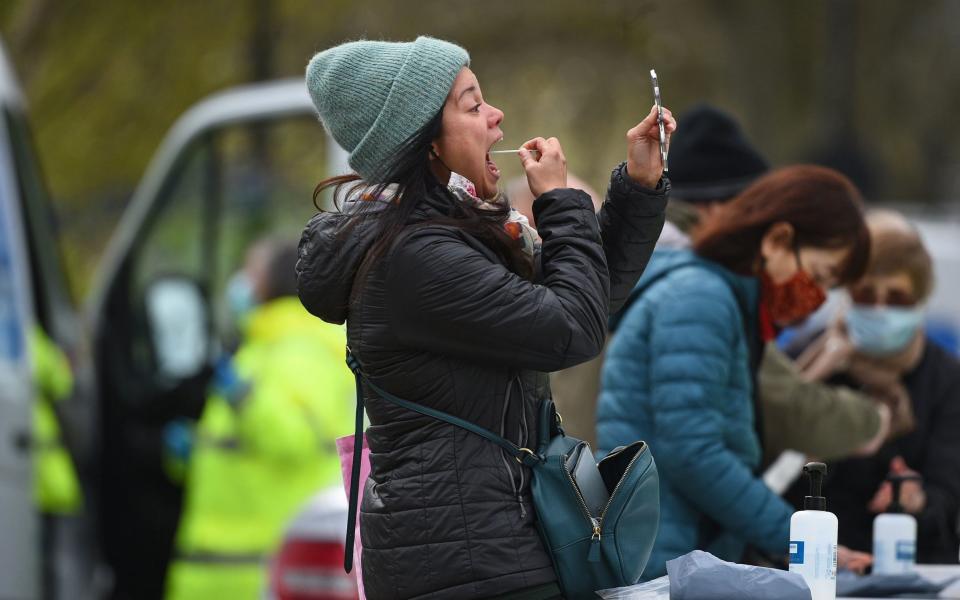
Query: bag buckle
528, 451
352, 363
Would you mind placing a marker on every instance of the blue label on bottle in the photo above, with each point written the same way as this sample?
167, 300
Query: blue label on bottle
906, 550
796, 553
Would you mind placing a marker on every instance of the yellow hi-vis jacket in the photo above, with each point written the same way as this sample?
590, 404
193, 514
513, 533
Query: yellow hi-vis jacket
56, 489
258, 458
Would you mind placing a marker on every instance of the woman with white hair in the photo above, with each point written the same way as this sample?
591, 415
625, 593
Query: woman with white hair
880, 347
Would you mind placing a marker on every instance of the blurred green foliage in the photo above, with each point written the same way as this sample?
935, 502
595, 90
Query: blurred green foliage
870, 85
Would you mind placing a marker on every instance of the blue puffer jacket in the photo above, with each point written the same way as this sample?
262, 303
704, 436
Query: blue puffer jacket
677, 374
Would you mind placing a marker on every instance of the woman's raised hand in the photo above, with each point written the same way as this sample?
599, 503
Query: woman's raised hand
549, 172
643, 148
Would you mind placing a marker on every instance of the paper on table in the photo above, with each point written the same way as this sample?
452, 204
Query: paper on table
656, 589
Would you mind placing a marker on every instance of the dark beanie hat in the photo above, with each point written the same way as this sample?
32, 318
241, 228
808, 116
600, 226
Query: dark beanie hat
710, 158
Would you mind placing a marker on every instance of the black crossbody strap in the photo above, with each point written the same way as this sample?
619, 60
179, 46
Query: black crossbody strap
523, 455
354, 481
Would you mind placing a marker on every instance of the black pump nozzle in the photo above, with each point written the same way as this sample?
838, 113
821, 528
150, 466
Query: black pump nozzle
816, 472
896, 481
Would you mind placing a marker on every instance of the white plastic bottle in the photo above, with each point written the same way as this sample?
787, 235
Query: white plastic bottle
813, 539
895, 536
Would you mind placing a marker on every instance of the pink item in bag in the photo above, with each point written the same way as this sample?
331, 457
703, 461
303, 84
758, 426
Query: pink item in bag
345, 450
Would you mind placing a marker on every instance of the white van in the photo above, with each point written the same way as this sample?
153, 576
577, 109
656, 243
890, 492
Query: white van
33, 292
18, 553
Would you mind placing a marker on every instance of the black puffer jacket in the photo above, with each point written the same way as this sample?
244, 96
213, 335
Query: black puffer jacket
441, 321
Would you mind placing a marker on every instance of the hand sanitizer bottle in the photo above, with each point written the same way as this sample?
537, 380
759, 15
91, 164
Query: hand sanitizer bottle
895, 535
813, 539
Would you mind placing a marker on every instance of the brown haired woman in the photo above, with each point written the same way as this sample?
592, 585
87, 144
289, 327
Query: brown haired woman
680, 368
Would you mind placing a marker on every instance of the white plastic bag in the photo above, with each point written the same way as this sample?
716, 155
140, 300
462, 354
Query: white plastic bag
702, 576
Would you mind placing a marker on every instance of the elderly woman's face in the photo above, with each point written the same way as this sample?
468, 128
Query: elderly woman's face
896, 290
470, 128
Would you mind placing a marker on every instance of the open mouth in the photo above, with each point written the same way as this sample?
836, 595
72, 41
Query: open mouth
492, 167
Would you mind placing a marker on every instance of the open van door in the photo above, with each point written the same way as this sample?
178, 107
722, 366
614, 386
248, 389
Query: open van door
235, 167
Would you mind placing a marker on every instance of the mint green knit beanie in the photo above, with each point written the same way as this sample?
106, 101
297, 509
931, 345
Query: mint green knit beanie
372, 96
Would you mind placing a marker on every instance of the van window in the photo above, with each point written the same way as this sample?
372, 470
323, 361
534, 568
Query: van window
267, 176
177, 241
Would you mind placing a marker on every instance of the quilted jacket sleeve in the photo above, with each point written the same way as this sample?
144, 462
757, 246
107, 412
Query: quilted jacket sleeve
630, 222
448, 295
693, 404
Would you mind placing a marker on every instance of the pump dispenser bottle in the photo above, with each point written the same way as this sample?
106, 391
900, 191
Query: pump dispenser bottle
895, 535
813, 539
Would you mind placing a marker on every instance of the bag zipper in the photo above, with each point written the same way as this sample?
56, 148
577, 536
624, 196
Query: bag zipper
626, 471
596, 523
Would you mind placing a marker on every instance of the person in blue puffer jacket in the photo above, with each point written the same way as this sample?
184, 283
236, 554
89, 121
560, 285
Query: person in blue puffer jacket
681, 364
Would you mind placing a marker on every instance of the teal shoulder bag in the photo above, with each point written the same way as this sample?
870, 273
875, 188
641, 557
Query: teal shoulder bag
594, 544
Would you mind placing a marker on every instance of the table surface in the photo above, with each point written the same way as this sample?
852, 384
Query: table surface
932, 572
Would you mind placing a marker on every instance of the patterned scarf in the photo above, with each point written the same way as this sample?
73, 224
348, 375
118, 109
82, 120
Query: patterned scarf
517, 226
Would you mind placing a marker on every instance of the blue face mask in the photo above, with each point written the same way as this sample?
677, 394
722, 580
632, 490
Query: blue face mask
882, 331
240, 296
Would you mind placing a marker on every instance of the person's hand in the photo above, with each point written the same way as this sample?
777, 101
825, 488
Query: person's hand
548, 172
178, 438
644, 164
851, 560
912, 497
227, 383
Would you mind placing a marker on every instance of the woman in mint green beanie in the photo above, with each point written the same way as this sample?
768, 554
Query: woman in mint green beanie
452, 301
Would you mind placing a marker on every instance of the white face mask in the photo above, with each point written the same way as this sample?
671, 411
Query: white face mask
883, 330
240, 296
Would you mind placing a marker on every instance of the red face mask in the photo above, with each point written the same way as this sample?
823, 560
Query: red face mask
792, 300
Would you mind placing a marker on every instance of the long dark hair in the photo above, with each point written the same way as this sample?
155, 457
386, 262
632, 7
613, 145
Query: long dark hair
823, 206
405, 182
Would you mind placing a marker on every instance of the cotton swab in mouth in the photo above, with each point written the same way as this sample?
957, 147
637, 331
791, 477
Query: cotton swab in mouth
513, 151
